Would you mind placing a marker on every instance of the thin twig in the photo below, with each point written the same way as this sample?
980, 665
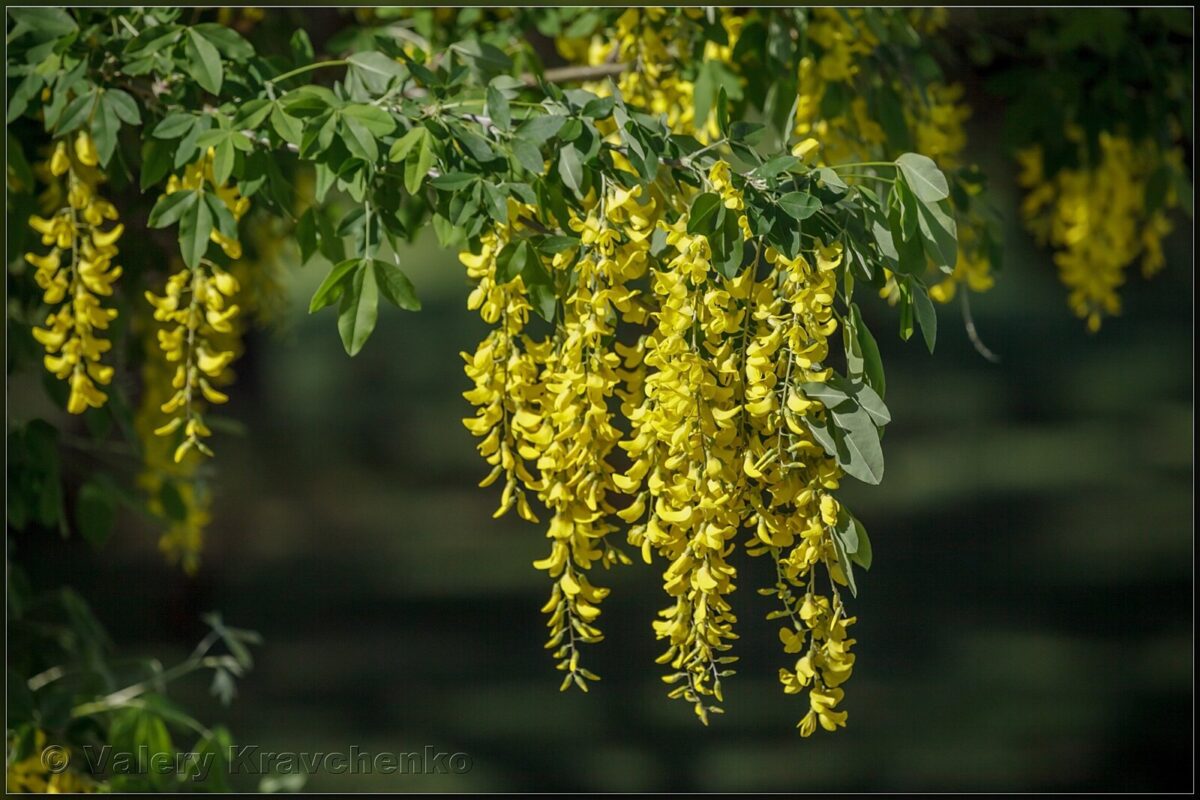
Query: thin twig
972, 333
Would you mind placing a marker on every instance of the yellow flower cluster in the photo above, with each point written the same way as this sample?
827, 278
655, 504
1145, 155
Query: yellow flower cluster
186, 519
935, 116
1096, 219
545, 403
718, 440
77, 271
196, 309
652, 41
504, 369
178, 493
685, 447
31, 775
793, 510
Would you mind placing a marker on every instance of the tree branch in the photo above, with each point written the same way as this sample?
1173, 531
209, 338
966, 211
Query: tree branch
580, 73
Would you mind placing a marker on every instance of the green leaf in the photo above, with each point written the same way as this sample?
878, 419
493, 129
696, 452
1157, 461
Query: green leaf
395, 286
95, 512
728, 248
496, 202
123, 106
358, 310
374, 119
151, 40
195, 227
486, 57
571, 169
203, 62
799, 205
906, 313
884, 241
51, 23
923, 177
859, 452
827, 394
156, 161
558, 244
853, 349
843, 557
862, 556
306, 235
453, 181
846, 532
723, 105
599, 108
404, 145
705, 214
528, 155
226, 40
498, 109
844, 396
475, 144
171, 207
540, 128
331, 289
831, 180
76, 113
775, 166
288, 127
223, 158
872, 361
939, 235
868, 400
418, 162
513, 260
359, 141
223, 219
173, 125
27, 89
375, 70
544, 300
301, 47
926, 314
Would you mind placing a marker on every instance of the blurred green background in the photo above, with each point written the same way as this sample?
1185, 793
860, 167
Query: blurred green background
1027, 624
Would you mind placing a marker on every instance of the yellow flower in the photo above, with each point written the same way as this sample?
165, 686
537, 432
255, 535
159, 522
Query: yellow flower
31, 775
1095, 219
199, 333
76, 272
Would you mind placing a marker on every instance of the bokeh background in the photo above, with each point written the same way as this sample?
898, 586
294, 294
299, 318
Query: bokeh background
1027, 623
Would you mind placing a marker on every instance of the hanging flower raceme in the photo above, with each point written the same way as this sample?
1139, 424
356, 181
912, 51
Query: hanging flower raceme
174, 492
77, 271
791, 477
685, 448
504, 369
653, 41
199, 320
179, 493
1097, 219
719, 440
581, 375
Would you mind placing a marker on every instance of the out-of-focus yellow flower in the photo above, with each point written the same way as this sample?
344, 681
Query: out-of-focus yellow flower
1096, 220
31, 775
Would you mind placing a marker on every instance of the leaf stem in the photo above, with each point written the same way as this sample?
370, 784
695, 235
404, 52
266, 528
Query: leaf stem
338, 62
